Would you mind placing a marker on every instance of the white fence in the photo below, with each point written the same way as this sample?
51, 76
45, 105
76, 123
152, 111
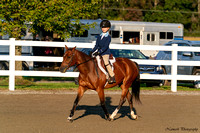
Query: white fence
174, 62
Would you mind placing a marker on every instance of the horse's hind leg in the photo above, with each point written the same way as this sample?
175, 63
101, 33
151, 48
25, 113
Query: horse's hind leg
81, 91
121, 102
130, 101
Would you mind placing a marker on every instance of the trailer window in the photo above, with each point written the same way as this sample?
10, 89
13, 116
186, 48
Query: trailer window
150, 37
162, 35
166, 35
169, 35
115, 34
131, 36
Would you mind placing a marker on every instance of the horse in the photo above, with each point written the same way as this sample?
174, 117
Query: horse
126, 73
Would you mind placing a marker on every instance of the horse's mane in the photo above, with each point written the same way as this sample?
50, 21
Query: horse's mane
83, 54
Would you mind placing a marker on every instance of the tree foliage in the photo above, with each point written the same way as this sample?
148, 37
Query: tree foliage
59, 16
168, 11
13, 15
175, 11
62, 16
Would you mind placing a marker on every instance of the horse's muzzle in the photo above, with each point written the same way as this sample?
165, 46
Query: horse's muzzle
63, 69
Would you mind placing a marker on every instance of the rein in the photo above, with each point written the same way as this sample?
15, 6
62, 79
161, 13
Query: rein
95, 67
87, 61
83, 62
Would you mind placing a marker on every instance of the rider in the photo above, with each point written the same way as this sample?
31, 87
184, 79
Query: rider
102, 48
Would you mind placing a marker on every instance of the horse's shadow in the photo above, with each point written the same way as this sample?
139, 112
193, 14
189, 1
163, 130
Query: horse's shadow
97, 110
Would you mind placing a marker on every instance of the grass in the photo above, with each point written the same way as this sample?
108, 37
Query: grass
48, 78
24, 84
50, 84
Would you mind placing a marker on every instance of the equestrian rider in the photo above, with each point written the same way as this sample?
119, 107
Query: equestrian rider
102, 48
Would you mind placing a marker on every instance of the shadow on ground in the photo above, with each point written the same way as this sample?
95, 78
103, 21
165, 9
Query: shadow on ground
97, 110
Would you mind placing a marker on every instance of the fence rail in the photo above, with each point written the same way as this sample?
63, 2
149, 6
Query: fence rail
174, 62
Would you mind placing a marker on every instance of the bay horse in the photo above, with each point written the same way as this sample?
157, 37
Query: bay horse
126, 74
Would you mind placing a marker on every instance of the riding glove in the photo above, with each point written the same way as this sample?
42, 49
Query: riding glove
94, 54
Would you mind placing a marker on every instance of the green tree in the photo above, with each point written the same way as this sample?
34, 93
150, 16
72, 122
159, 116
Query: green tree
58, 16
110, 10
134, 12
13, 15
175, 11
62, 16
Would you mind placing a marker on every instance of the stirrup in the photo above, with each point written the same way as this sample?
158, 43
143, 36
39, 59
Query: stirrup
111, 80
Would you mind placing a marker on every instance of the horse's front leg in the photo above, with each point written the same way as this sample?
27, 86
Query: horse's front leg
81, 91
102, 101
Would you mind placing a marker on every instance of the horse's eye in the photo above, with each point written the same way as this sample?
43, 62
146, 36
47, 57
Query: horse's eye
69, 57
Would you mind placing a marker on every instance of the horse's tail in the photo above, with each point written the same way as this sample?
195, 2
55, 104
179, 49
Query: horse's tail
136, 87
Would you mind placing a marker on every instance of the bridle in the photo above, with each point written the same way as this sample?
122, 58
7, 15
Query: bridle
82, 63
71, 59
79, 63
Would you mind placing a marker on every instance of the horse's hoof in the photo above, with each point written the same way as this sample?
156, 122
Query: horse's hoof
70, 120
134, 117
109, 119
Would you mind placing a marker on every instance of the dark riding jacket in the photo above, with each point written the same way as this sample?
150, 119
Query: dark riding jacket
102, 45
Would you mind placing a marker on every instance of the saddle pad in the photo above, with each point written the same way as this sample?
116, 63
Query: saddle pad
100, 63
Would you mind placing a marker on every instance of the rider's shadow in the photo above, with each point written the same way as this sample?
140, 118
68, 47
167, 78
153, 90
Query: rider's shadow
97, 110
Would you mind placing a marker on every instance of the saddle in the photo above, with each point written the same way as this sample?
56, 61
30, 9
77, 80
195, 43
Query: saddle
101, 64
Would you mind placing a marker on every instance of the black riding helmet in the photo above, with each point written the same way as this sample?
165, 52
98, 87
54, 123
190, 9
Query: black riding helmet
105, 24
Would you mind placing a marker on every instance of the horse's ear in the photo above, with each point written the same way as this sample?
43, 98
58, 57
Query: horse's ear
74, 48
66, 47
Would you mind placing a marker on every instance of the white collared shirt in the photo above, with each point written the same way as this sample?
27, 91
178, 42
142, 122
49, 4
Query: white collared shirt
104, 34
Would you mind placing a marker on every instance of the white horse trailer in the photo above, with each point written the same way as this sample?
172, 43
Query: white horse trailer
133, 32
125, 32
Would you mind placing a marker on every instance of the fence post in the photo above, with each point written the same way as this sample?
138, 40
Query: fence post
174, 68
12, 65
